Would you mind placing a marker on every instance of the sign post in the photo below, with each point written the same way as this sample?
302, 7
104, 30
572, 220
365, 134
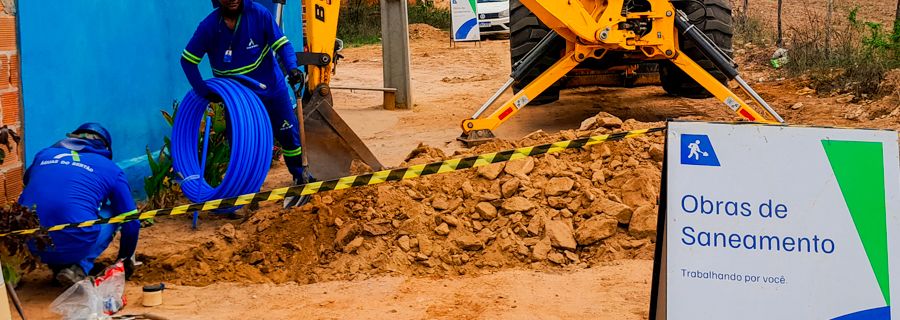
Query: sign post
464, 21
774, 222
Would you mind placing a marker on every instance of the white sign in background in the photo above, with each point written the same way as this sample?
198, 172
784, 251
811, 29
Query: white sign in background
464, 20
759, 182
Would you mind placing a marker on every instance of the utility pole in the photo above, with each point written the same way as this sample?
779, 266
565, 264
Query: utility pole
395, 50
780, 41
828, 27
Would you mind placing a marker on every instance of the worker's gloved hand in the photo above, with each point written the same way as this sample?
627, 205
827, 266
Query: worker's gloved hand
296, 77
214, 97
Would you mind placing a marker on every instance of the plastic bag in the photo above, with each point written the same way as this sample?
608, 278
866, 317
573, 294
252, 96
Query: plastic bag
110, 287
95, 298
80, 301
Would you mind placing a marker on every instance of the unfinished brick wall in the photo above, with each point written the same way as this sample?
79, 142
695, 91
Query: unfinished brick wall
11, 171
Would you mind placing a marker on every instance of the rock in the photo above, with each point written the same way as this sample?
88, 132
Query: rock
556, 257
491, 171
604, 151
601, 120
374, 230
541, 249
486, 210
509, 188
536, 225
560, 234
338, 222
643, 223
353, 245
656, 153
345, 234
227, 231
486, 235
440, 203
403, 242
173, 262
572, 256
425, 245
520, 167
621, 212
468, 241
450, 220
468, 189
595, 229
805, 91
442, 229
256, 257
421, 257
557, 186
847, 98
797, 106
517, 204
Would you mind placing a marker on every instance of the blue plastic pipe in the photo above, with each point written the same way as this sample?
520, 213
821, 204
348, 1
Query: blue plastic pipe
250, 139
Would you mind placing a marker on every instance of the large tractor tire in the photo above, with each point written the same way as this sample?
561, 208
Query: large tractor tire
525, 31
713, 17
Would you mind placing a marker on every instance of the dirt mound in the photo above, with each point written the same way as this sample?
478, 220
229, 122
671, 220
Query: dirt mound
425, 31
568, 210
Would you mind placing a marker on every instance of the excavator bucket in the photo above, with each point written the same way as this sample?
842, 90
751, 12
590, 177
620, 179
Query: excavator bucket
332, 145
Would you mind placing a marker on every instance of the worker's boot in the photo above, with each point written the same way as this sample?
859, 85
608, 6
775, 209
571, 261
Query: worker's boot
69, 276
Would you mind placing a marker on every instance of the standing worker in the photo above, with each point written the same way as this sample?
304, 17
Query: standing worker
74, 181
240, 37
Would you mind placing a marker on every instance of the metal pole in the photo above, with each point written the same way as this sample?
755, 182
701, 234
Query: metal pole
493, 98
279, 10
758, 99
395, 50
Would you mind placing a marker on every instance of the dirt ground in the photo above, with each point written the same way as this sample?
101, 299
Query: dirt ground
568, 236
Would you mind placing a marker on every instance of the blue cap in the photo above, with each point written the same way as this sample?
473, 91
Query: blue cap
97, 129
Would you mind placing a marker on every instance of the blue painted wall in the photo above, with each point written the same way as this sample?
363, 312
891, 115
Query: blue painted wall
109, 61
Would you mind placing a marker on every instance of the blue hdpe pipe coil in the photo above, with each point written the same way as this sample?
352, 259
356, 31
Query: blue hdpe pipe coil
250, 140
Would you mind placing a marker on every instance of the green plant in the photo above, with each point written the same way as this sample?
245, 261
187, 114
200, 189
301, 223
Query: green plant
162, 185
14, 253
360, 20
860, 55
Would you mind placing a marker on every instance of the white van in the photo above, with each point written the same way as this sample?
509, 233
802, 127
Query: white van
493, 16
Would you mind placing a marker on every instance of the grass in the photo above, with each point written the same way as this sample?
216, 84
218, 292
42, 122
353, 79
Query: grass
860, 54
360, 21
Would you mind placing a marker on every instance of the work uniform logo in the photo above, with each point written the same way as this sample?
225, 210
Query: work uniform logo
251, 45
286, 125
696, 150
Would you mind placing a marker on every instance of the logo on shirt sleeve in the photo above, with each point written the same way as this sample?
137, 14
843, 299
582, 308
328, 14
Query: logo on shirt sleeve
251, 45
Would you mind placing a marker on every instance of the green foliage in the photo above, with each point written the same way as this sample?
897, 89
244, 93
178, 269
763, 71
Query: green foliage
750, 29
861, 52
360, 20
162, 185
14, 253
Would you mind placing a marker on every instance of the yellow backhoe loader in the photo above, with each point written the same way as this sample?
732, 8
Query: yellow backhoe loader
550, 39
681, 39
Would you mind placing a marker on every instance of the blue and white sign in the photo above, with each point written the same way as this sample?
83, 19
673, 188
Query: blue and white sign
778, 222
464, 20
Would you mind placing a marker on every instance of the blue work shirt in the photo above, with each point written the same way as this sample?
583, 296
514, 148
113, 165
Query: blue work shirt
252, 43
69, 182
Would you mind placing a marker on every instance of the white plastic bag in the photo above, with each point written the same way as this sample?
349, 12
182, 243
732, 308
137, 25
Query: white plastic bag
95, 298
80, 301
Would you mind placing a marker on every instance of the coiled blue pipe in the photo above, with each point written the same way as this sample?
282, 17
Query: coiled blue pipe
250, 140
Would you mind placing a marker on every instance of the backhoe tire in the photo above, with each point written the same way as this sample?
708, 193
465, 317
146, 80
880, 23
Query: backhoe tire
714, 19
525, 31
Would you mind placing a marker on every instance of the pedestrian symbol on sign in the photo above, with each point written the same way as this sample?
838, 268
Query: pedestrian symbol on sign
698, 151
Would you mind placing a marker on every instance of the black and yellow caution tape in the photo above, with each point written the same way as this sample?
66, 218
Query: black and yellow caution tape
354, 181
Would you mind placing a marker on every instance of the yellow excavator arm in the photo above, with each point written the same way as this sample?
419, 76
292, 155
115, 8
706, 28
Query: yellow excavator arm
593, 29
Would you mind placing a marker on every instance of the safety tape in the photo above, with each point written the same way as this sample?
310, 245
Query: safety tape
354, 181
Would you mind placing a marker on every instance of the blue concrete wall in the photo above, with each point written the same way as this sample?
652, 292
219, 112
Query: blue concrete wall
109, 61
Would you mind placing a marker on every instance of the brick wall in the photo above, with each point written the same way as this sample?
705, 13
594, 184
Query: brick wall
11, 170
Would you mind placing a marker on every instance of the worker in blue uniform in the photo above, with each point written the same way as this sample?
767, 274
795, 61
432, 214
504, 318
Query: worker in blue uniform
72, 181
240, 37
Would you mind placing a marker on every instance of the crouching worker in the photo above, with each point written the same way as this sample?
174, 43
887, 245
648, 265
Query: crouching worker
75, 180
